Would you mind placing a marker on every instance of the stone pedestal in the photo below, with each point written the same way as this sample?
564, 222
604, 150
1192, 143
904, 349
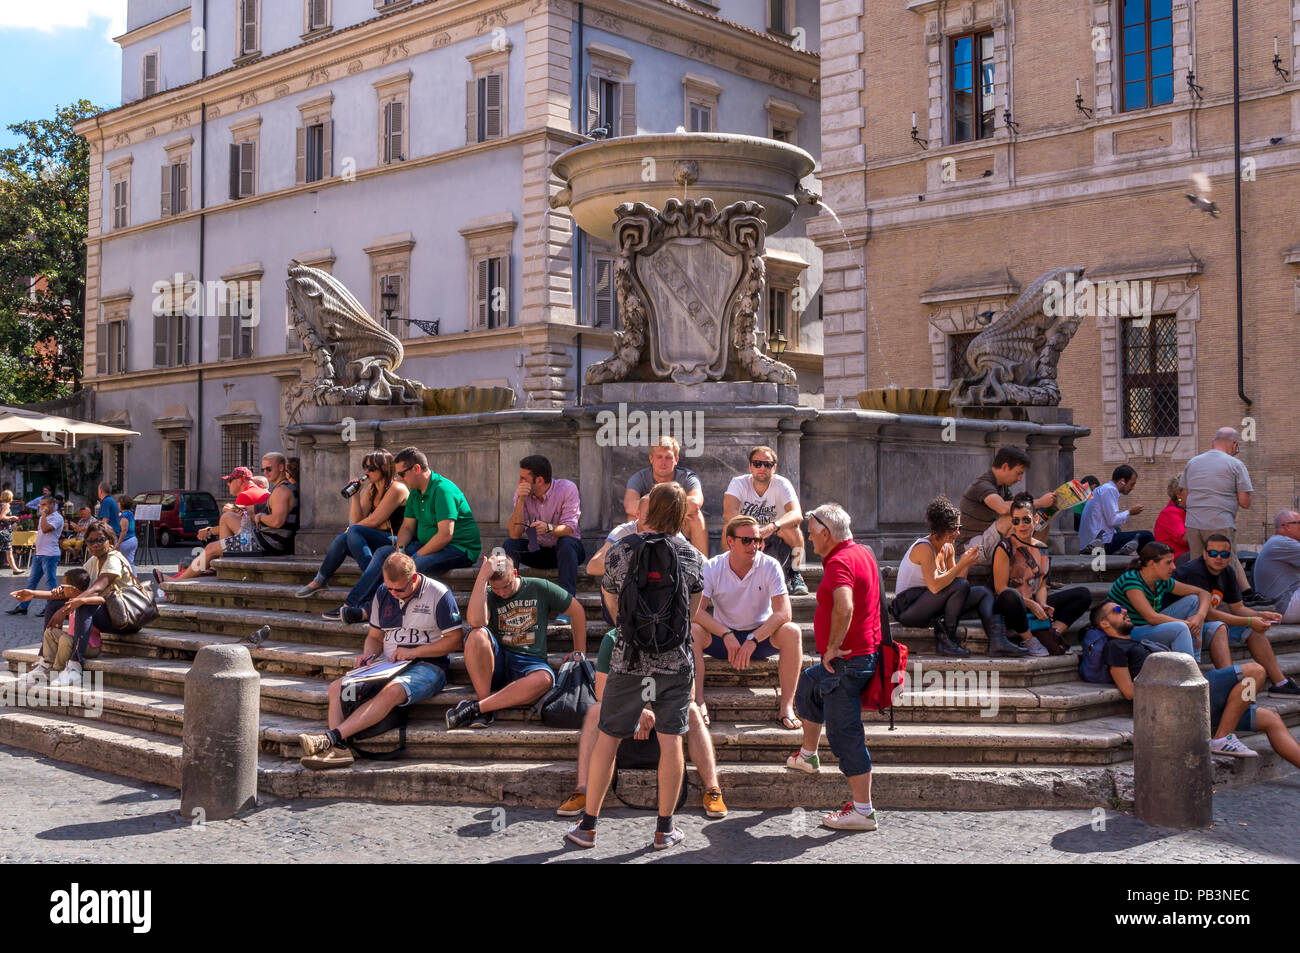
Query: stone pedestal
1172, 774
219, 753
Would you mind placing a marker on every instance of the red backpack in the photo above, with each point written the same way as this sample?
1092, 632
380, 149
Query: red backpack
878, 695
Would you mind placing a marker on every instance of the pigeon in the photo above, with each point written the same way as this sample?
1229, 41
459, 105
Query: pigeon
601, 132
1201, 199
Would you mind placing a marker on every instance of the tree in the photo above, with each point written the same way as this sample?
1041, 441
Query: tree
44, 220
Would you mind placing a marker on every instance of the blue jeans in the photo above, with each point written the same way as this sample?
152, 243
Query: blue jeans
444, 560
835, 700
1176, 635
46, 567
566, 554
1120, 539
356, 541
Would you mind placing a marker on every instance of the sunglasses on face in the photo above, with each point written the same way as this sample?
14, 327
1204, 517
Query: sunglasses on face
746, 540
1117, 610
402, 473
401, 591
370, 469
95, 540
762, 464
1017, 520
268, 469
1219, 553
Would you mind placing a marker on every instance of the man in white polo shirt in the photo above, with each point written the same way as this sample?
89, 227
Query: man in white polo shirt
773, 502
45, 554
745, 614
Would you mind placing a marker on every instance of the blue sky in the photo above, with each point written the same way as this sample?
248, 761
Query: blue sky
53, 52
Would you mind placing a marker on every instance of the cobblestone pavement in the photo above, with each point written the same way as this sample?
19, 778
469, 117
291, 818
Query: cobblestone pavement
21, 630
55, 812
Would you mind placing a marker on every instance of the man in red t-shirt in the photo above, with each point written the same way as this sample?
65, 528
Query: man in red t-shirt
847, 631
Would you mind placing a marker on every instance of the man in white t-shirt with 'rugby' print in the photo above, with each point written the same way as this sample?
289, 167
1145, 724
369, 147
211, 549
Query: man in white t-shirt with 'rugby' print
773, 502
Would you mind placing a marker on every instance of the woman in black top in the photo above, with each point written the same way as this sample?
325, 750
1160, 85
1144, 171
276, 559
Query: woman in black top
375, 513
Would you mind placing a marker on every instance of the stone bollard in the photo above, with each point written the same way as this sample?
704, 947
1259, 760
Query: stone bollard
219, 756
1171, 743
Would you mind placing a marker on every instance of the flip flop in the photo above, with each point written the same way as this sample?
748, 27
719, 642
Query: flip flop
790, 722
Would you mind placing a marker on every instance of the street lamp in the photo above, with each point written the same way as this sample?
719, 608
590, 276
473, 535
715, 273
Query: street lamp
776, 344
388, 302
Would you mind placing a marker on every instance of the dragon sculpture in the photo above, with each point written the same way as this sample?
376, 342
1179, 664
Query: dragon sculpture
1014, 359
353, 355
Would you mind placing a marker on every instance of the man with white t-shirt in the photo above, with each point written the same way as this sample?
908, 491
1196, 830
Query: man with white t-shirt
772, 501
745, 614
45, 554
412, 618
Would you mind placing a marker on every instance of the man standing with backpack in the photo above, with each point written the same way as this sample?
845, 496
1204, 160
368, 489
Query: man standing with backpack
652, 586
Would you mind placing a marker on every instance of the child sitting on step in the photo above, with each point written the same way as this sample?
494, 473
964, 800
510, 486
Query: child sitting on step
56, 646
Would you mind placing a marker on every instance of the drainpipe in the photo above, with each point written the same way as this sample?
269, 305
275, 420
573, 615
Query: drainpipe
577, 232
1236, 203
203, 204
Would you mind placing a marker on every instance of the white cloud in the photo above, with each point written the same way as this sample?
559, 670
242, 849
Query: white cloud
51, 15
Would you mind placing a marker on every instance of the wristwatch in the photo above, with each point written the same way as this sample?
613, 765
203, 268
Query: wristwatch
549, 529
750, 637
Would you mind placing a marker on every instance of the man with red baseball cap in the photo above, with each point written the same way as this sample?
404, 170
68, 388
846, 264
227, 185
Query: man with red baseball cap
235, 524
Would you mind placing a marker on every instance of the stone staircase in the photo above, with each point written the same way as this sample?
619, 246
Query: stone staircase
1004, 733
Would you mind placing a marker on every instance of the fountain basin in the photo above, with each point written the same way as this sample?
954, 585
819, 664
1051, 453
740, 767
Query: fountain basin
600, 176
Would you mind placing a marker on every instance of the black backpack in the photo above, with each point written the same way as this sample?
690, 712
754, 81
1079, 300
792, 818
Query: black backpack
654, 605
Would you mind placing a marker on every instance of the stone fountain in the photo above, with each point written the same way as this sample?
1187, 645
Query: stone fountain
689, 215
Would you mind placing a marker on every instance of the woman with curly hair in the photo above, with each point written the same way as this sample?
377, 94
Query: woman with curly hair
932, 588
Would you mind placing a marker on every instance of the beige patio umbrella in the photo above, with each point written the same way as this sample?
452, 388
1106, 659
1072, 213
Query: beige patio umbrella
31, 431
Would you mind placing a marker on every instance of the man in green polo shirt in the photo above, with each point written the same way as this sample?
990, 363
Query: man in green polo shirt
438, 531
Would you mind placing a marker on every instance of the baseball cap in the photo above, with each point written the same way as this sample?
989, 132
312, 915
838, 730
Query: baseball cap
239, 473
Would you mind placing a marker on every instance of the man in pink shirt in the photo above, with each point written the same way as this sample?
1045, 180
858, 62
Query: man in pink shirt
544, 531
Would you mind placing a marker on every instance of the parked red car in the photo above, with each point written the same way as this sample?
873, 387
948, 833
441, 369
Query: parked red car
184, 513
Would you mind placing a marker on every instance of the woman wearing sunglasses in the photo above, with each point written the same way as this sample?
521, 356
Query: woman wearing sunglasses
1020, 569
1163, 609
375, 513
109, 571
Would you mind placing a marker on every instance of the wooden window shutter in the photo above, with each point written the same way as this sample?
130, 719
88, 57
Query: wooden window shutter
318, 14
234, 171
247, 160
160, 324
226, 331
120, 329
400, 328
150, 74
300, 152
501, 317
604, 293
388, 132
483, 297
180, 187
492, 106
627, 117
471, 111
327, 155
248, 32
396, 144
166, 190
101, 349
593, 102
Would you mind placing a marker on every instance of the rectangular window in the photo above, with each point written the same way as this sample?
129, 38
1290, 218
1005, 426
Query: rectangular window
243, 180
115, 465
110, 347
239, 447
235, 322
175, 188
1149, 361
780, 135
973, 110
315, 152
317, 15
248, 38
604, 297
121, 203
149, 74
777, 310
393, 131
176, 463
489, 107
607, 116
958, 367
492, 293
171, 334
701, 118
393, 323
778, 19
1147, 53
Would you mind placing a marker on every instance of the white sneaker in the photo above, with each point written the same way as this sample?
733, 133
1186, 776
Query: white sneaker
848, 818
70, 676
1128, 549
1231, 744
40, 672
1035, 647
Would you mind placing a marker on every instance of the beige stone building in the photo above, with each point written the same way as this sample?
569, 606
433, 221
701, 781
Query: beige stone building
1105, 131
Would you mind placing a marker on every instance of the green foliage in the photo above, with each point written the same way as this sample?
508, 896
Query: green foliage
44, 216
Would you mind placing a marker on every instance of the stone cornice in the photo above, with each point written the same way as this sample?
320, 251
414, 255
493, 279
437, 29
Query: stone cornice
161, 25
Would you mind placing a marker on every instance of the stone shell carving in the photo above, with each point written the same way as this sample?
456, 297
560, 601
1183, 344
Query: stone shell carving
353, 356
689, 281
1015, 358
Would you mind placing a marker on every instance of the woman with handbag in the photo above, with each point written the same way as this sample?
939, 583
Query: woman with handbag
7, 521
114, 603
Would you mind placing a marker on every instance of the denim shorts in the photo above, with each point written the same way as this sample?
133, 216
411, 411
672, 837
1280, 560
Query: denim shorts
1222, 681
834, 699
1238, 634
420, 680
511, 666
717, 647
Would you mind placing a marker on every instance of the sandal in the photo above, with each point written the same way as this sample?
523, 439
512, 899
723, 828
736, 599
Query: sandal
790, 722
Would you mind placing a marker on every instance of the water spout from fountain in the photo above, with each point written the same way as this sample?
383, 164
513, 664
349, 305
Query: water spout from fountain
884, 363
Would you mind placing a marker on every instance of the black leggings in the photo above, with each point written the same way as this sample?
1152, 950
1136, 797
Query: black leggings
959, 598
1068, 605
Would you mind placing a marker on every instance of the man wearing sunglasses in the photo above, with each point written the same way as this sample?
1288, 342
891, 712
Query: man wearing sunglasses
771, 499
1218, 485
1277, 567
744, 614
438, 532
1212, 571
